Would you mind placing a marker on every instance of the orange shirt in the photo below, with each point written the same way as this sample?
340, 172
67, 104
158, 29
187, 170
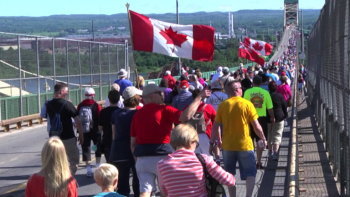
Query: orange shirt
35, 187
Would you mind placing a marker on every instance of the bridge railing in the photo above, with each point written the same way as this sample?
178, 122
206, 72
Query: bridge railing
31, 65
328, 85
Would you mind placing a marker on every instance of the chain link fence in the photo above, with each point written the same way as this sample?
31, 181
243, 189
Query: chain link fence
31, 65
328, 85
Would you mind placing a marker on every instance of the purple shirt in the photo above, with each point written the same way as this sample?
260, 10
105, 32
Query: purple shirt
167, 92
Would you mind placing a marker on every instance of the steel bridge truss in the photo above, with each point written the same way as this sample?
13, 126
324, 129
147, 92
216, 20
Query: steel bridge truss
291, 13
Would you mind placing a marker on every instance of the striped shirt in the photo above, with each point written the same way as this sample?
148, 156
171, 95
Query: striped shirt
181, 174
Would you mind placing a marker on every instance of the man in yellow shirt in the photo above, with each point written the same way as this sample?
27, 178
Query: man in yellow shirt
235, 114
261, 100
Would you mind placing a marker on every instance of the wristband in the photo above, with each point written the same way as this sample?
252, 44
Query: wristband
211, 143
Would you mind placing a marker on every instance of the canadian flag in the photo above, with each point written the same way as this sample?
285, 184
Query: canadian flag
250, 54
261, 47
195, 42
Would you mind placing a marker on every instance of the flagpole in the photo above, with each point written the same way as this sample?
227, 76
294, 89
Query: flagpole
132, 43
178, 21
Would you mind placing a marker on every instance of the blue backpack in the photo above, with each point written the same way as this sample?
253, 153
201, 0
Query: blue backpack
56, 124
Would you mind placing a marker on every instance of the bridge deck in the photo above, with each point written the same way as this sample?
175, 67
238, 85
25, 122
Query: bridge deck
20, 158
319, 179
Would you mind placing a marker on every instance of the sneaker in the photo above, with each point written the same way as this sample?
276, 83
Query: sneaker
275, 157
259, 166
97, 165
89, 174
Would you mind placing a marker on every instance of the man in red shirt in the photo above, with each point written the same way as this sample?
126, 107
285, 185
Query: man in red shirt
150, 133
171, 80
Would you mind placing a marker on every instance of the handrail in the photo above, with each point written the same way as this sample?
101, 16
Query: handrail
29, 119
293, 168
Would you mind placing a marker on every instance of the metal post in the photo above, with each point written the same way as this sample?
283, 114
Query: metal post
99, 63
302, 32
80, 80
20, 76
178, 22
53, 61
109, 67
118, 58
90, 63
126, 55
67, 65
38, 73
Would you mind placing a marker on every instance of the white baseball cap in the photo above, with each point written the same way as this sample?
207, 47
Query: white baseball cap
89, 91
130, 92
122, 73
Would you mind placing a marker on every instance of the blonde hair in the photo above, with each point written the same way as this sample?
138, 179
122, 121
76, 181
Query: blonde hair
182, 136
54, 164
105, 175
141, 80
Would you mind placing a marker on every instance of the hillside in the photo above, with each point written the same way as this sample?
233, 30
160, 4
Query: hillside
60, 25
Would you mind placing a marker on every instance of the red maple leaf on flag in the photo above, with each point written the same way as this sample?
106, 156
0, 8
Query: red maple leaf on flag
257, 46
172, 37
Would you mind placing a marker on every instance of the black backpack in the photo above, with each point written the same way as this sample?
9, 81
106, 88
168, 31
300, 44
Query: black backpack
56, 124
215, 189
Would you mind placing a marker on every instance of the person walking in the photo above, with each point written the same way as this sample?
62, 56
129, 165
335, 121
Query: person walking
261, 100
171, 80
66, 111
150, 133
115, 86
104, 122
89, 112
275, 130
217, 96
184, 163
184, 98
284, 90
226, 78
54, 179
121, 156
235, 114
122, 81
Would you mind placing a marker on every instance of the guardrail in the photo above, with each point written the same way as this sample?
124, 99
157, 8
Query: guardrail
28, 119
294, 157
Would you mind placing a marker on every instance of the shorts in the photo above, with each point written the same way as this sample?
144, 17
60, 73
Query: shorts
275, 132
263, 124
72, 152
147, 172
246, 161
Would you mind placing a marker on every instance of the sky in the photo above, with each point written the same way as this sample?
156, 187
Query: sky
48, 7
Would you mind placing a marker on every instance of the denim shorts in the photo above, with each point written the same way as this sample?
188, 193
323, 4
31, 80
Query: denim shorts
246, 161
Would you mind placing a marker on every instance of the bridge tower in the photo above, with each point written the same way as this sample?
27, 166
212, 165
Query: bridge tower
291, 8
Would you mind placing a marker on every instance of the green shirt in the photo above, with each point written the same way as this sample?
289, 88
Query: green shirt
260, 98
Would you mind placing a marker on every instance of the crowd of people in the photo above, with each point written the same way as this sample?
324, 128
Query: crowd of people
155, 131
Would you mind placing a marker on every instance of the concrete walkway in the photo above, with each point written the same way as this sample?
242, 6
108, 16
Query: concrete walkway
319, 180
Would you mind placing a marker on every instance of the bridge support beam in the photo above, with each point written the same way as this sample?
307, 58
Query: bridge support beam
291, 12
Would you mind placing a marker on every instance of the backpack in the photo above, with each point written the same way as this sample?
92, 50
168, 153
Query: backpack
198, 122
215, 189
56, 124
85, 116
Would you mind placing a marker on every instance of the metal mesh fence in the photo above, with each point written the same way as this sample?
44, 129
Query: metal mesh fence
328, 84
31, 65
